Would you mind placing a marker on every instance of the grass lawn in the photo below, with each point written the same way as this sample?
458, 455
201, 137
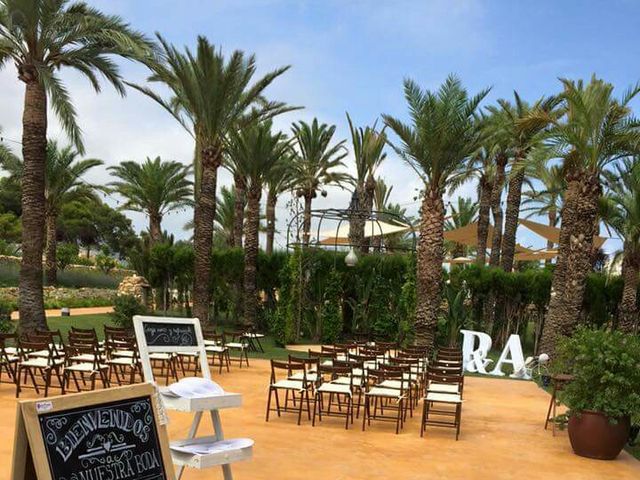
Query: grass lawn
98, 321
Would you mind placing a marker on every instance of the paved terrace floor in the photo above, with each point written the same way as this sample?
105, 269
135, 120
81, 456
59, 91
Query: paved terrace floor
502, 438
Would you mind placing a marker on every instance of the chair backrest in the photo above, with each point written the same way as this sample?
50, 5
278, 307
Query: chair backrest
309, 363
84, 330
27, 346
334, 371
446, 369
438, 376
286, 369
115, 343
315, 354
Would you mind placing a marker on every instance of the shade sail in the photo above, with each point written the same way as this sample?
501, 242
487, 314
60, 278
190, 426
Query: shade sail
553, 233
467, 235
536, 255
372, 228
459, 260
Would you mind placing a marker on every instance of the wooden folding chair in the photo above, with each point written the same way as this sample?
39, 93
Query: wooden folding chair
8, 356
123, 357
385, 398
301, 387
216, 350
41, 366
237, 344
434, 395
84, 358
343, 392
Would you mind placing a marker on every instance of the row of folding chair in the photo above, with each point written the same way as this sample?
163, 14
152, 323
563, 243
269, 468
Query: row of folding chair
386, 387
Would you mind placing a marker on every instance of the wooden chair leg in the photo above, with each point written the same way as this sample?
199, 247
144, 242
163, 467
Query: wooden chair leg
268, 404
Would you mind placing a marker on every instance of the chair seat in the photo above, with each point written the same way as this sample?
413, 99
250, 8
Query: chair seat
161, 356
39, 353
210, 342
443, 397
127, 362
9, 359
395, 384
11, 350
85, 357
384, 392
189, 354
357, 381
84, 367
239, 345
40, 362
254, 335
334, 388
122, 353
215, 349
288, 385
444, 388
311, 377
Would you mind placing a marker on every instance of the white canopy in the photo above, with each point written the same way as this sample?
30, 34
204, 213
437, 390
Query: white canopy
372, 228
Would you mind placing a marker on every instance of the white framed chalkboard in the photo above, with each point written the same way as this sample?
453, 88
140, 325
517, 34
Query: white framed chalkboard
113, 433
169, 335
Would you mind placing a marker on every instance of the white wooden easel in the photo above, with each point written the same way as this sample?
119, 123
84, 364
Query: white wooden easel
194, 405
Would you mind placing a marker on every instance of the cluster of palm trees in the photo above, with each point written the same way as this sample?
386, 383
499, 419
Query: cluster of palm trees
573, 143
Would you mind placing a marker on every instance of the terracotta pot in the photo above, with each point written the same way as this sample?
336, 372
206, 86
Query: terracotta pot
593, 436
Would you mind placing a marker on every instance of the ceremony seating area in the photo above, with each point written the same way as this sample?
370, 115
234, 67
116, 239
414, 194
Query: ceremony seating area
48, 363
380, 381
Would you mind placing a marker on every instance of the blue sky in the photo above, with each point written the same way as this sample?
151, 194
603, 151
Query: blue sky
352, 56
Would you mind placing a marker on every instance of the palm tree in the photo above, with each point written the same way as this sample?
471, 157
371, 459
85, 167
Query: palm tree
381, 196
315, 163
41, 37
485, 187
462, 214
256, 151
210, 97
62, 185
598, 129
368, 146
621, 208
278, 181
437, 143
523, 136
155, 188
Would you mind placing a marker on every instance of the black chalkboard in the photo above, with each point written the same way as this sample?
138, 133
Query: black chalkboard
116, 440
161, 334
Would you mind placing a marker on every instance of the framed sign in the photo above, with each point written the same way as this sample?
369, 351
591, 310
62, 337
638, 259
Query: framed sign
113, 433
173, 335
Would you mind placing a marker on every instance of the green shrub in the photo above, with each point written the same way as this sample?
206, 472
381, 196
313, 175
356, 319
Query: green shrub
124, 309
606, 370
331, 315
6, 324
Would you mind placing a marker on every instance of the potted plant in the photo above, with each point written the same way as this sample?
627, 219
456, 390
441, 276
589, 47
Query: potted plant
604, 395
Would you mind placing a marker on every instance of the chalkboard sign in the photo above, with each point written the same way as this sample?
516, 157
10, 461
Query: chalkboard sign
170, 335
163, 334
109, 434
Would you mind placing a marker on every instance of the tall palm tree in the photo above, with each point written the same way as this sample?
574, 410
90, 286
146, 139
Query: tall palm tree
210, 97
368, 151
523, 136
256, 151
153, 187
62, 185
40, 37
315, 164
462, 214
597, 130
621, 208
381, 197
437, 143
278, 181
224, 223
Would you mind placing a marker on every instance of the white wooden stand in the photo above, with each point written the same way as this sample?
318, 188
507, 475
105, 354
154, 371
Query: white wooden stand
197, 406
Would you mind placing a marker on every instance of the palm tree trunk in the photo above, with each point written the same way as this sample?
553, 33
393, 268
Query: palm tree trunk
251, 255
429, 259
496, 209
511, 219
356, 218
306, 223
34, 141
483, 219
203, 217
272, 200
238, 209
574, 258
628, 308
552, 223
367, 203
155, 228
51, 271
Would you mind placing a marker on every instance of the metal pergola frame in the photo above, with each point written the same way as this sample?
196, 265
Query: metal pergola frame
346, 215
